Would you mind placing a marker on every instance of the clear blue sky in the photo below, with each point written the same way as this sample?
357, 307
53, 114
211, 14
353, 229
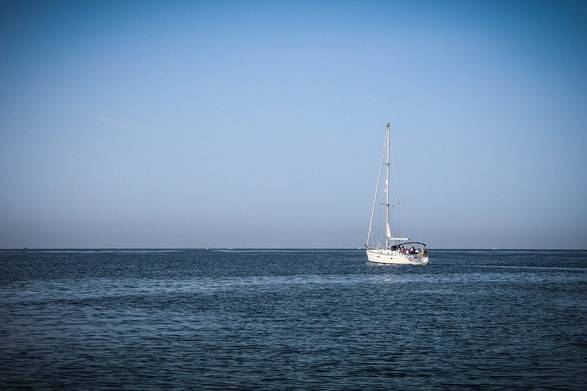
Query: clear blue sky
259, 124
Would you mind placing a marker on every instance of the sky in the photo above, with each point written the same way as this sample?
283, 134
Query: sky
260, 124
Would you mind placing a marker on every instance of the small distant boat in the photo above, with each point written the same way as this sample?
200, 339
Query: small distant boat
390, 249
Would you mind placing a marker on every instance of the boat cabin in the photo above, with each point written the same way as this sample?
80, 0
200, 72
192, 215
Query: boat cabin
410, 248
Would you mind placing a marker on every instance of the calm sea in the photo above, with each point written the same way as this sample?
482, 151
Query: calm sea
292, 319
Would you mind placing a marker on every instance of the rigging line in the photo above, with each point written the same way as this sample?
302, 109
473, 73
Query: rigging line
395, 163
376, 194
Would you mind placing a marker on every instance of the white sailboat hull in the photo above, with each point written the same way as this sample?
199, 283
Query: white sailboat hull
396, 258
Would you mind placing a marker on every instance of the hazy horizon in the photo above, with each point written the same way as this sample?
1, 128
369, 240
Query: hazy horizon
260, 249
260, 124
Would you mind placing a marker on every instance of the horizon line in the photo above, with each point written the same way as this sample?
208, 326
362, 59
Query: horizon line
276, 248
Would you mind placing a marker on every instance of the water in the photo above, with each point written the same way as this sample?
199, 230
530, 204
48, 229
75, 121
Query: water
292, 320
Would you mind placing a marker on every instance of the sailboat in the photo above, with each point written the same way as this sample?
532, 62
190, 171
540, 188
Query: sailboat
390, 249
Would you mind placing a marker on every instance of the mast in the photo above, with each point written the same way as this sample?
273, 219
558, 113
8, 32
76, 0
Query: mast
387, 168
385, 160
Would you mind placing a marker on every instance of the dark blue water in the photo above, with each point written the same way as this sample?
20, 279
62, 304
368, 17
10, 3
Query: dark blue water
292, 320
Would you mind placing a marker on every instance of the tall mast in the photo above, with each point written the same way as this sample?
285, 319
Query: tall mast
385, 160
387, 167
